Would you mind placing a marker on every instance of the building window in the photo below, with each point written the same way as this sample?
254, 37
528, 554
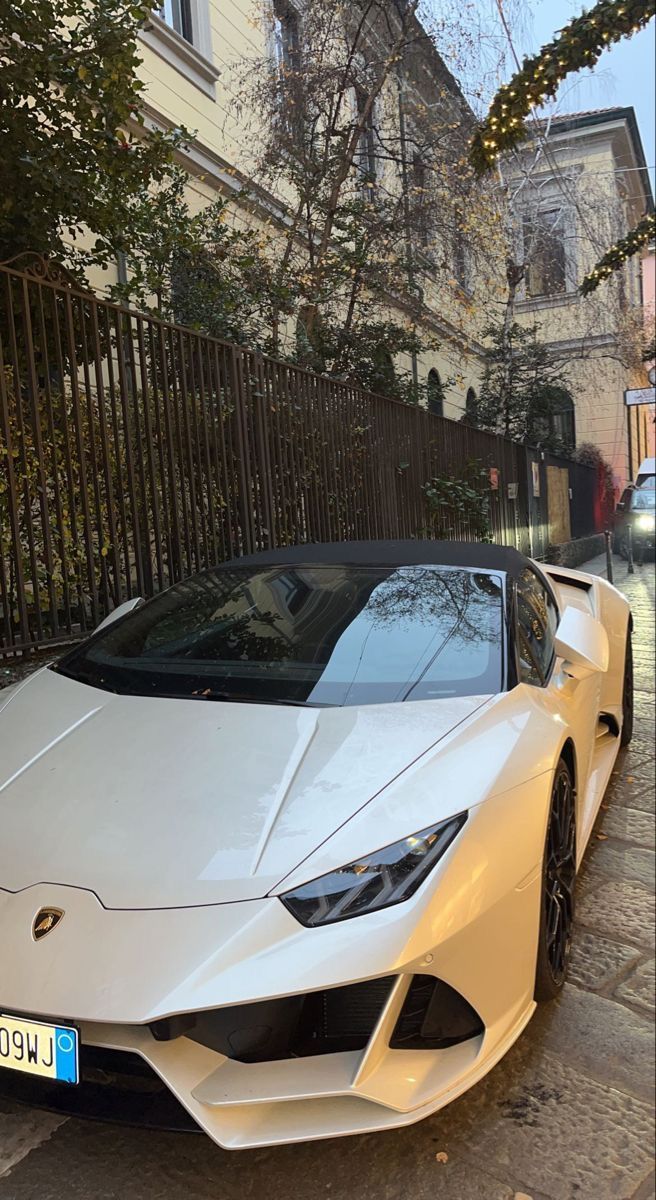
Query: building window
383, 374
435, 394
366, 157
544, 253
286, 37
179, 31
563, 423
420, 197
459, 249
286, 45
177, 14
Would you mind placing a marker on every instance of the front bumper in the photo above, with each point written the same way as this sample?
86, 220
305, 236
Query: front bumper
119, 974
130, 1078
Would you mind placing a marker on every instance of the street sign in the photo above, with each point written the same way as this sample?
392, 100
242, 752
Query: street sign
513, 491
640, 396
494, 479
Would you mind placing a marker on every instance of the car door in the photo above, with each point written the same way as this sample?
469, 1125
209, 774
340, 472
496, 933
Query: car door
577, 701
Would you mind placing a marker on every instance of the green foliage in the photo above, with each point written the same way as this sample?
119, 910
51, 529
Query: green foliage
578, 45
48, 503
205, 271
523, 388
74, 153
348, 337
83, 181
362, 354
461, 503
643, 233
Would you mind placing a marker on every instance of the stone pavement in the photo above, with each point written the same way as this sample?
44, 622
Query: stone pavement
567, 1114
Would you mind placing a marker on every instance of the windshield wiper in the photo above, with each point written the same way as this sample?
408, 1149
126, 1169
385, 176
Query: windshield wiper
244, 698
125, 688
239, 697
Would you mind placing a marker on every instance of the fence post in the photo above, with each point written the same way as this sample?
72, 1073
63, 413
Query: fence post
629, 548
608, 538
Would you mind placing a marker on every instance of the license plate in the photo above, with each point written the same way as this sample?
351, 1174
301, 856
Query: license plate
35, 1048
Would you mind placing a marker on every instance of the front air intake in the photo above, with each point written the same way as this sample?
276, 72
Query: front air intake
433, 1017
325, 1022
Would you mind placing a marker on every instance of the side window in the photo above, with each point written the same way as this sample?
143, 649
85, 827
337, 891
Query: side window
537, 618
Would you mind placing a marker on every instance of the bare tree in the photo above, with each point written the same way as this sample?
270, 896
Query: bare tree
362, 133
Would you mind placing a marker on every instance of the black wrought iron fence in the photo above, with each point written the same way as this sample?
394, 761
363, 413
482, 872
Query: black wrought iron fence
134, 452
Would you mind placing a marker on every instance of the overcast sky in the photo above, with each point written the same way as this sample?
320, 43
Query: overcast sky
623, 76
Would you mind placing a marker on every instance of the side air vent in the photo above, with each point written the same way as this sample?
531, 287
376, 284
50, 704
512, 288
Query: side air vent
567, 581
433, 1017
607, 724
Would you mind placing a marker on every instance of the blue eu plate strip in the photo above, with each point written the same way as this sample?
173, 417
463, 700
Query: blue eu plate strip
66, 1055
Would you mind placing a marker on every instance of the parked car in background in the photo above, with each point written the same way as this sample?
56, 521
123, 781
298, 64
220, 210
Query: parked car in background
646, 472
636, 512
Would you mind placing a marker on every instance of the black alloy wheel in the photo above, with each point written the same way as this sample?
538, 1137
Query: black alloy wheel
627, 694
558, 881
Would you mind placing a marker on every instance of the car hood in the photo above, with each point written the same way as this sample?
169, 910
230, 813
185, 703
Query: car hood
154, 802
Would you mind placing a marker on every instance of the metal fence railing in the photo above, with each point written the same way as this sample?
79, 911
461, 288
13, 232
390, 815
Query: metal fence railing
134, 452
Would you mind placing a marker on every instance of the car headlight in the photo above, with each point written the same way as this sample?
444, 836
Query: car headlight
386, 877
646, 522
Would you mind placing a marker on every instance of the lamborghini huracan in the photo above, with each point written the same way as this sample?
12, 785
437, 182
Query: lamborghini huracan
289, 851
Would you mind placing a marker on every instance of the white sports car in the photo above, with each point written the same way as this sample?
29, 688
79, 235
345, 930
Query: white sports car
289, 851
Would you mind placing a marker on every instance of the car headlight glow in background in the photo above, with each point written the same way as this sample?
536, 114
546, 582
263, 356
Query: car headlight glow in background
385, 877
646, 523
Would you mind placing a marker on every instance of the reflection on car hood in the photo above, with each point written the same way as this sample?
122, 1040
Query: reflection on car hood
163, 803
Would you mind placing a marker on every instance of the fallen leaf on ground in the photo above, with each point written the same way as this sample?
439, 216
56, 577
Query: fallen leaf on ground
603, 837
441, 1156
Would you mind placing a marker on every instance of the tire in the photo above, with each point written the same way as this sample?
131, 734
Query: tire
627, 694
558, 881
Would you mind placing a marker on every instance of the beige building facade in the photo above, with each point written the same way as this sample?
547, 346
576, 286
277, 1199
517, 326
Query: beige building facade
581, 185
194, 54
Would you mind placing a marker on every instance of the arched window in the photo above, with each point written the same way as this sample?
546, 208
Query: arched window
471, 405
435, 393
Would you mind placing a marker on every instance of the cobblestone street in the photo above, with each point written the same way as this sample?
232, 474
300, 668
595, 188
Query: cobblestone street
566, 1115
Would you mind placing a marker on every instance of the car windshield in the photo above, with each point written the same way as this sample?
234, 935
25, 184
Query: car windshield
643, 500
306, 635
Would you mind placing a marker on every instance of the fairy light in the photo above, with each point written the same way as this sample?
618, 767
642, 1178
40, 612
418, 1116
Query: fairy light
579, 43
644, 232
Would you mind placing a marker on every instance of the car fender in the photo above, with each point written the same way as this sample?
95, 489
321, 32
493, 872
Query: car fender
512, 742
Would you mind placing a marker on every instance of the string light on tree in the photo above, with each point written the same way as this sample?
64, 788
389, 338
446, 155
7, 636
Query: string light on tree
626, 247
576, 46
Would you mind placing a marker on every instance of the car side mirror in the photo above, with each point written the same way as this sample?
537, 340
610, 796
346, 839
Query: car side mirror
122, 611
582, 643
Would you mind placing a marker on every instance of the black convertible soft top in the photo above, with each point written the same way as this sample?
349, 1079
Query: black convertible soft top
479, 555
